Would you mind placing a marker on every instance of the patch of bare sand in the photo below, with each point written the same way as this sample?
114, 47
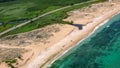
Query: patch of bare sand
103, 12
8, 55
36, 40
55, 39
87, 14
66, 43
38, 48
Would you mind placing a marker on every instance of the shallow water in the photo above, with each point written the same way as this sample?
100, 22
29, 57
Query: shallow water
100, 50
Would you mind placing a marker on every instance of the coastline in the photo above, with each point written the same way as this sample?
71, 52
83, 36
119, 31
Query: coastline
45, 57
106, 21
97, 27
49, 43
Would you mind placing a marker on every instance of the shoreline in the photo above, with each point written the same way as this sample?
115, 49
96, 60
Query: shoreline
45, 57
50, 43
97, 27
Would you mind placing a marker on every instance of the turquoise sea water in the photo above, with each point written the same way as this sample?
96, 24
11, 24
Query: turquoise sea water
100, 50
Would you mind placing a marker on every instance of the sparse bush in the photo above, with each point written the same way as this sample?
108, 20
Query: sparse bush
71, 22
10, 62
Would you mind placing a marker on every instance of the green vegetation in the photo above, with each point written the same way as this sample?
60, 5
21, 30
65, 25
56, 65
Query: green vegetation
11, 62
19, 10
53, 18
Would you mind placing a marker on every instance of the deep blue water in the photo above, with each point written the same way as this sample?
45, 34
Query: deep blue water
100, 50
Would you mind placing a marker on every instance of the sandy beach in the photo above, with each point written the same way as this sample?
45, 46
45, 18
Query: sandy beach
42, 52
70, 40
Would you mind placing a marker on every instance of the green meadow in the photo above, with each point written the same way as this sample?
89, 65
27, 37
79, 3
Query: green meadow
16, 11
25, 10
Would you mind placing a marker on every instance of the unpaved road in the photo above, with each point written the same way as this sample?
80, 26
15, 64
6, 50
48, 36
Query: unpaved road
36, 18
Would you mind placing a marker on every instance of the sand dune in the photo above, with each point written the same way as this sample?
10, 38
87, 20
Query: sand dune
60, 38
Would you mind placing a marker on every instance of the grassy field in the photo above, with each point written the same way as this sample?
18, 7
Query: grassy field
50, 19
16, 11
